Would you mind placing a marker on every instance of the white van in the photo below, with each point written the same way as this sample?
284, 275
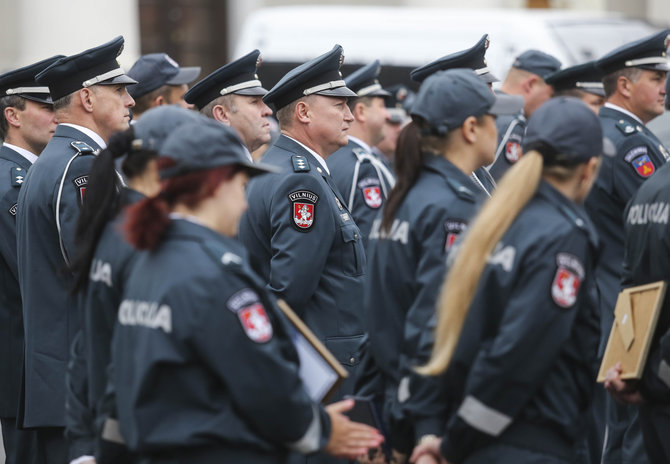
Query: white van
403, 38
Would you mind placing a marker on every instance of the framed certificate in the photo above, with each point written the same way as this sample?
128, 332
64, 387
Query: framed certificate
320, 372
635, 317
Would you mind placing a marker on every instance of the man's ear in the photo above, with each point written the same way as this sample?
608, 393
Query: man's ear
302, 112
87, 97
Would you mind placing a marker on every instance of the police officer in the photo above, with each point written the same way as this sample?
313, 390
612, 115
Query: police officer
526, 77
300, 234
26, 125
454, 118
90, 103
517, 322
160, 81
473, 58
645, 261
397, 105
583, 81
233, 95
360, 176
207, 339
101, 269
634, 84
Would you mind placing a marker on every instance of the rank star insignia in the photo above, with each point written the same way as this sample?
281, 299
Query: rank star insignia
373, 196
19, 179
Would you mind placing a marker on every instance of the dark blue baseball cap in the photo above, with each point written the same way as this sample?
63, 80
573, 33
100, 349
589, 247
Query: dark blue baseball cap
473, 58
319, 76
365, 82
650, 52
537, 62
447, 98
157, 123
206, 144
586, 77
237, 77
155, 70
21, 82
96, 65
569, 128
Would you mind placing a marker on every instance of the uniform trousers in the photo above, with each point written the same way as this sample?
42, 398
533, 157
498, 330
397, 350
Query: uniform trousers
655, 424
20, 445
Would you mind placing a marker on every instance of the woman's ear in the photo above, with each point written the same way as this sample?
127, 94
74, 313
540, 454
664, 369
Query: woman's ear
469, 129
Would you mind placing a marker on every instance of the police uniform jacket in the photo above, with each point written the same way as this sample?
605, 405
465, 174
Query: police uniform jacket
13, 169
523, 369
49, 311
407, 263
364, 182
646, 254
87, 399
203, 363
511, 130
304, 243
638, 155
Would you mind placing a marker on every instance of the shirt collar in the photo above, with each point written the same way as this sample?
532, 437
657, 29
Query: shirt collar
23, 152
624, 111
96, 138
358, 141
318, 157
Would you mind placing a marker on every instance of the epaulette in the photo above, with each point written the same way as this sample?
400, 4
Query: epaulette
626, 128
18, 176
82, 147
221, 254
461, 190
300, 163
360, 153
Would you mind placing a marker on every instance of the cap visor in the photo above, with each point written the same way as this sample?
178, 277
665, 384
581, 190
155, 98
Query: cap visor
506, 104
489, 78
338, 92
379, 93
396, 115
38, 98
122, 79
252, 91
594, 90
656, 67
185, 75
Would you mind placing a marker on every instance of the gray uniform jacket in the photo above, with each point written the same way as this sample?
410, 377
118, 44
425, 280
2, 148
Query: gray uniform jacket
48, 209
13, 169
304, 243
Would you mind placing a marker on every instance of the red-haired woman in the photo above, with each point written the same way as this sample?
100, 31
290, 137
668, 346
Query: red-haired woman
205, 370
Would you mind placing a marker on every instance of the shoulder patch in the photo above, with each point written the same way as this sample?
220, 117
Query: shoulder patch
513, 151
82, 147
461, 190
251, 314
18, 175
568, 278
453, 227
13, 209
81, 183
639, 159
303, 208
360, 153
372, 192
300, 163
625, 127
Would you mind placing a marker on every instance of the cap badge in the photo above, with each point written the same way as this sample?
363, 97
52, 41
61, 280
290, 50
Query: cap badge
487, 43
171, 61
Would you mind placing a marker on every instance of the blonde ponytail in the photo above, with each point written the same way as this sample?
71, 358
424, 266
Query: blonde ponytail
513, 193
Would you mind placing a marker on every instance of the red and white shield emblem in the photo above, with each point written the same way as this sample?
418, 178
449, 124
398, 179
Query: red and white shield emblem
565, 287
82, 192
512, 151
303, 215
451, 238
256, 323
373, 196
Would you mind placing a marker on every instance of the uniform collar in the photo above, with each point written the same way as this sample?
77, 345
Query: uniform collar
31, 157
571, 210
95, 137
447, 170
614, 107
359, 142
186, 228
318, 157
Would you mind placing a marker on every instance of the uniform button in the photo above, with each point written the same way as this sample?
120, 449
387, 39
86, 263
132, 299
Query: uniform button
352, 360
355, 235
319, 169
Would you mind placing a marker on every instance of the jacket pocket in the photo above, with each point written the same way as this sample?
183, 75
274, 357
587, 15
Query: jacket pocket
347, 350
353, 255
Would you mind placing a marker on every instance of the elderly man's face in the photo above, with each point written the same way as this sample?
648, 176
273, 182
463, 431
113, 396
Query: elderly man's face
330, 119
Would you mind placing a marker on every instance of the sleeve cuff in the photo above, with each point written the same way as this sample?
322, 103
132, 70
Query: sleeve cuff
81, 459
428, 426
81, 448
